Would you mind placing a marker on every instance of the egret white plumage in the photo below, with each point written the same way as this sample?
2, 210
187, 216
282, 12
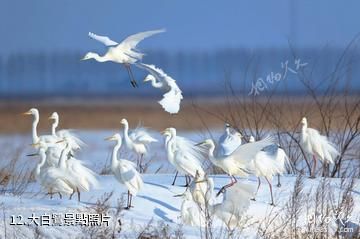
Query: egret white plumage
267, 165
181, 155
236, 201
82, 178
238, 162
160, 80
190, 211
53, 179
125, 171
317, 145
202, 189
137, 141
73, 140
124, 52
229, 141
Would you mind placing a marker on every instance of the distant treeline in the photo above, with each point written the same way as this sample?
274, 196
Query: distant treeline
197, 72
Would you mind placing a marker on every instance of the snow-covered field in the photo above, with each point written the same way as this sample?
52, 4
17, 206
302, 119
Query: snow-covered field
155, 201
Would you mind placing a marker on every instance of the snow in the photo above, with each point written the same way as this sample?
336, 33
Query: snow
155, 201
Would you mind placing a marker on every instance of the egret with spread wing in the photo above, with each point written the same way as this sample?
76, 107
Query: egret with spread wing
238, 162
159, 79
124, 52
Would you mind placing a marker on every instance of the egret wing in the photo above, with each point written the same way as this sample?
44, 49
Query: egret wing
131, 41
103, 39
247, 152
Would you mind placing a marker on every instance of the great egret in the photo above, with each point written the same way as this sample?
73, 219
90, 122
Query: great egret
237, 163
137, 141
180, 157
190, 211
82, 178
236, 201
159, 79
73, 140
283, 162
53, 179
125, 171
229, 141
201, 189
266, 165
124, 53
317, 145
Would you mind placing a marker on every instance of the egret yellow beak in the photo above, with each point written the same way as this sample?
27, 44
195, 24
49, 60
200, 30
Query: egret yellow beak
31, 155
110, 138
50, 118
35, 145
60, 141
200, 144
27, 113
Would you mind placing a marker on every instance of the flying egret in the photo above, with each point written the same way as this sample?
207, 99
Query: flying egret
82, 178
266, 165
124, 53
137, 141
160, 80
229, 141
125, 171
317, 145
53, 179
75, 142
185, 145
237, 163
180, 157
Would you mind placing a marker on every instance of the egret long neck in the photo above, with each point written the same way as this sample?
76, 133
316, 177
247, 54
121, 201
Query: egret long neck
100, 58
169, 149
54, 126
63, 157
40, 164
114, 154
35, 122
126, 136
156, 84
211, 153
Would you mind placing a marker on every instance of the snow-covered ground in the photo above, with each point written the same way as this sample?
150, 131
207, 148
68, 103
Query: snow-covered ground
155, 201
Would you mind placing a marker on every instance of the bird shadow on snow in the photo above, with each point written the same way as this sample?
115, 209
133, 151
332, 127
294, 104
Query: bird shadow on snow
164, 204
160, 213
157, 185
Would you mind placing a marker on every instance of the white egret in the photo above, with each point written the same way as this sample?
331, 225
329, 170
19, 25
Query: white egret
137, 141
229, 141
267, 165
125, 171
317, 145
283, 162
124, 53
53, 179
160, 80
73, 140
190, 211
183, 159
236, 201
238, 162
82, 178
202, 188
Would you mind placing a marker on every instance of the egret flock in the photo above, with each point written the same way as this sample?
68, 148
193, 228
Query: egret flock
60, 172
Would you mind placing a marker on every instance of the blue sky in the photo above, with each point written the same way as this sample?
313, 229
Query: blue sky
42, 25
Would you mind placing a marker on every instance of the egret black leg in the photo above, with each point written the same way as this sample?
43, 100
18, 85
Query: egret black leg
270, 186
233, 181
279, 184
257, 190
173, 183
312, 174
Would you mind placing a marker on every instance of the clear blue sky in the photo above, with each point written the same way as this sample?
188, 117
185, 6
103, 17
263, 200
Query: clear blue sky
46, 25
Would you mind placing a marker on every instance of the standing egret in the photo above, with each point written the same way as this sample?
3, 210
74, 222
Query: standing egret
201, 189
237, 163
82, 178
124, 53
75, 142
283, 162
182, 159
185, 145
265, 164
137, 141
53, 179
317, 145
229, 141
125, 171
160, 80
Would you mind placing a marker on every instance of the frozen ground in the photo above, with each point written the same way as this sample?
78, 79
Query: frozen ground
154, 202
